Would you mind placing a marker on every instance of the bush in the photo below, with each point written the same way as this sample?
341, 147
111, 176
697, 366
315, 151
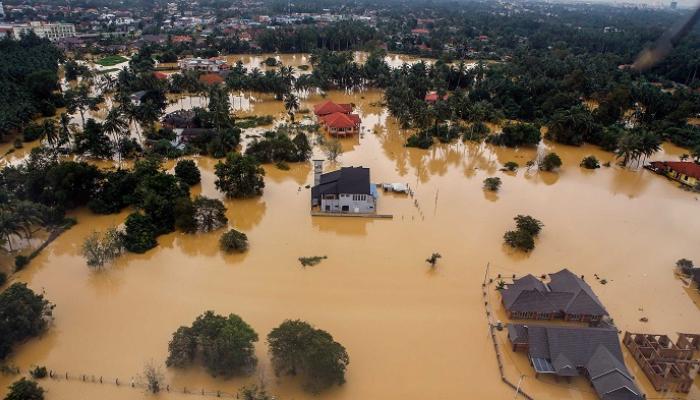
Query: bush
519, 239
100, 249
140, 234
492, 184
515, 135
511, 166
528, 224
685, 265
23, 315
550, 162
39, 373
223, 344
590, 162
239, 176
188, 172
420, 140
24, 389
476, 131
233, 241
298, 348
21, 261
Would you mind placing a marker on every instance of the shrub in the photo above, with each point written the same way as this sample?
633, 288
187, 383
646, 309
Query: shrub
233, 241
239, 176
492, 184
24, 389
188, 172
528, 224
420, 140
223, 344
311, 261
511, 166
685, 265
298, 348
100, 249
21, 261
140, 234
590, 162
515, 135
39, 373
550, 162
23, 315
519, 239
476, 131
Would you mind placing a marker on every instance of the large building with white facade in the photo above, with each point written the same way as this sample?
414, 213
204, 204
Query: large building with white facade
51, 31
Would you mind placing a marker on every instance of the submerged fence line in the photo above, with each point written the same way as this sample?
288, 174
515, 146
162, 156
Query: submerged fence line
137, 383
492, 333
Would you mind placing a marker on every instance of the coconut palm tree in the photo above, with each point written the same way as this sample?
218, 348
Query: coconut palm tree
116, 126
291, 104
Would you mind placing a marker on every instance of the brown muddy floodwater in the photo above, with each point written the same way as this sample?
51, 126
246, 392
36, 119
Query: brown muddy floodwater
411, 332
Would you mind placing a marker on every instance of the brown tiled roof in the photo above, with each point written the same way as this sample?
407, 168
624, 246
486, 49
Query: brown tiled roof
684, 167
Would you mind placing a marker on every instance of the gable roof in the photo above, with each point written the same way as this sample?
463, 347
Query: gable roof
684, 167
348, 180
565, 293
330, 107
570, 349
211, 79
341, 120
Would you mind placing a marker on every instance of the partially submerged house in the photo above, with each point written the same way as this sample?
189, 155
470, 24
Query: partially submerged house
685, 172
202, 64
669, 366
594, 353
180, 119
338, 119
566, 296
347, 190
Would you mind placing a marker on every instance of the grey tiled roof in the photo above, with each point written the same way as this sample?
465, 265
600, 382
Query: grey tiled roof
574, 349
565, 293
347, 180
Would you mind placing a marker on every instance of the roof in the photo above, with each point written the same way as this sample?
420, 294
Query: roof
137, 95
180, 118
347, 180
211, 79
329, 107
565, 293
160, 75
341, 120
421, 31
567, 350
432, 97
684, 167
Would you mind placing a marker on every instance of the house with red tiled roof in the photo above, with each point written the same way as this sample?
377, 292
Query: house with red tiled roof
432, 97
685, 172
160, 76
211, 79
420, 32
338, 119
330, 107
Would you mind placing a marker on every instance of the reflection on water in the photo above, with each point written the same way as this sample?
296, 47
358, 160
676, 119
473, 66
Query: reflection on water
410, 332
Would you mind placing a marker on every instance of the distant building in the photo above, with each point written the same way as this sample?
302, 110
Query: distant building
202, 64
347, 190
180, 119
53, 32
685, 172
594, 353
565, 296
338, 119
674, 5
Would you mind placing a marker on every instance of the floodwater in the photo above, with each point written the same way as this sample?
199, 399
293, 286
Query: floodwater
411, 332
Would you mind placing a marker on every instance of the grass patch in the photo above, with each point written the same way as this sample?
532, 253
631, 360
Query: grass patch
311, 261
111, 60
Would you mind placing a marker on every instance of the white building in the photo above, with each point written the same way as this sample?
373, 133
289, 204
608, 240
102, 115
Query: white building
202, 64
53, 32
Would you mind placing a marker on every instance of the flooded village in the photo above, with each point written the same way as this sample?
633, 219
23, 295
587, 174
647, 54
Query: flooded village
396, 250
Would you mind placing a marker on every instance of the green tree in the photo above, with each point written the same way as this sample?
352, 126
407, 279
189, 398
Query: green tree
23, 315
297, 348
25, 389
515, 135
239, 176
140, 234
233, 241
520, 240
550, 162
188, 172
528, 224
492, 183
102, 248
590, 162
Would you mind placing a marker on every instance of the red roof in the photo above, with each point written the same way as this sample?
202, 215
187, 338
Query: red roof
340, 120
432, 97
329, 107
159, 75
420, 31
684, 167
211, 79
182, 38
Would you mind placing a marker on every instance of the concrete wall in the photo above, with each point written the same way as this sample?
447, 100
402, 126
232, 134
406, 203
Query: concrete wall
362, 203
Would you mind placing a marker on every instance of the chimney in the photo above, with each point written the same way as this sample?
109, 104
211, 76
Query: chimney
318, 170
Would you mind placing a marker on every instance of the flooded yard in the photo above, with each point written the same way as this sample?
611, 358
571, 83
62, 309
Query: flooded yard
411, 332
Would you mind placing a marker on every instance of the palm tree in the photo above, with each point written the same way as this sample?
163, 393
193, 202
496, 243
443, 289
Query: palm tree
291, 104
116, 126
9, 226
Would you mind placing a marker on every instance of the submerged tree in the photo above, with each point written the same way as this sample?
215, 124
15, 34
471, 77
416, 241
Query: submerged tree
102, 248
23, 315
233, 241
239, 176
188, 172
432, 260
25, 389
492, 183
297, 348
550, 162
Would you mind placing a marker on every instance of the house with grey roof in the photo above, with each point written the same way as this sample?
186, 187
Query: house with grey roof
594, 353
566, 296
345, 191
